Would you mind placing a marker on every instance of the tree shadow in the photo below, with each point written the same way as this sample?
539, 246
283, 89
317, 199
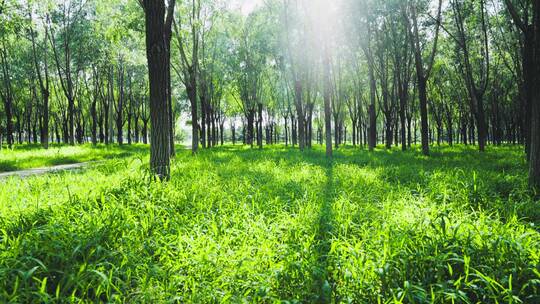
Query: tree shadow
323, 283
486, 180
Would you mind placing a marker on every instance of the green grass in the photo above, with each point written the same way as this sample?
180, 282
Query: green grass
240, 225
32, 156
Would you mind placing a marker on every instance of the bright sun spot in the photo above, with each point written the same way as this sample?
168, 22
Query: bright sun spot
248, 6
325, 15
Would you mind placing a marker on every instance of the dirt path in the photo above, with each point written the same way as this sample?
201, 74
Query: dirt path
45, 170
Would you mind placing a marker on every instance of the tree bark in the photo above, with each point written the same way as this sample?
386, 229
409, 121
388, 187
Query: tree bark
156, 49
300, 113
120, 106
534, 162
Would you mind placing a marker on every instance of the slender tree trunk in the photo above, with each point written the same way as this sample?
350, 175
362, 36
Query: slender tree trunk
145, 132
372, 129
402, 118
110, 106
129, 116
120, 106
168, 36
221, 133
422, 73
7, 96
233, 134
136, 129
286, 119
192, 94
203, 114
389, 132
300, 113
336, 132
424, 128
259, 126
106, 112
93, 113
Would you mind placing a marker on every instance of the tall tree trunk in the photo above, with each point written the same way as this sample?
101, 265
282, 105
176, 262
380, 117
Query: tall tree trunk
7, 97
202, 97
372, 129
136, 130
168, 37
129, 117
44, 85
259, 126
93, 113
481, 123
534, 161
529, 41
45, 120
336, 132
110, 101
145, 131
9, 121
300, 113
389, 132
192, 94
424, 128
209, 135
120, 106
156, 49
422, 73
221, 131
104, 127
250, 127
294, 133
233, 134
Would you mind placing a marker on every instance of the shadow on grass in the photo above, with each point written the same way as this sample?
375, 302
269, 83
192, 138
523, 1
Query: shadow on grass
322, 277
8, 166
406, 168
493, 180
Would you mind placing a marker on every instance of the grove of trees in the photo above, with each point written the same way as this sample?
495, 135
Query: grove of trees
297, 72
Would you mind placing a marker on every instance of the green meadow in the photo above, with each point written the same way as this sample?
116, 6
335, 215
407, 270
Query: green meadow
240, 225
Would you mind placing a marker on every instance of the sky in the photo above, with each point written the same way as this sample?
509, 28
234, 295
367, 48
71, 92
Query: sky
248, 6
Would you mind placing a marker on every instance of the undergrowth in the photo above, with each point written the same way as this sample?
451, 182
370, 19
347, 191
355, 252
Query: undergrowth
277, 225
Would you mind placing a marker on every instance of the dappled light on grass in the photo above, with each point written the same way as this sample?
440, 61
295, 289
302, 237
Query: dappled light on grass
33, 156
236, 224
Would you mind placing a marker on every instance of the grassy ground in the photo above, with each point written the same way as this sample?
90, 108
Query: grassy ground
240, 225
32, 156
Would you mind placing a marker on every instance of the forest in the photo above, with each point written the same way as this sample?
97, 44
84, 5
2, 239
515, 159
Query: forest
270, 151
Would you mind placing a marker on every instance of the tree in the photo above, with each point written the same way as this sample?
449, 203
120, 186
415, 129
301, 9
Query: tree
41, 66
528, 23
367, 24
157, 24
423, 70
9, 24
327, 101
534, 161
7, 92
188, 70
70, 22
475, 73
